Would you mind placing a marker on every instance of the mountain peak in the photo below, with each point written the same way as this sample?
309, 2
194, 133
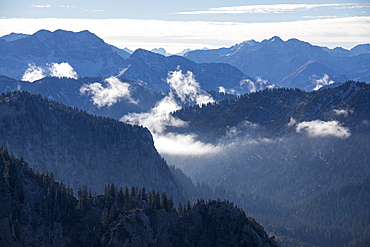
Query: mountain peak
144, 53
276, 39
42, 35
161, 51
61, 34
14, 36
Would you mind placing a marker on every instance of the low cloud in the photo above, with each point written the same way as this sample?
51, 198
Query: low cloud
341, 112
324, 81
318, 128
257, 85
183, 144
62, 70
114, 91
159, 117
33, 73
225, 91
187, 88
292, 122
184, 89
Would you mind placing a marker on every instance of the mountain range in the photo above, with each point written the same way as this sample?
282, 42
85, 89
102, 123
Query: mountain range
242, 68
86, 53
292, 63
272, 126
63, 53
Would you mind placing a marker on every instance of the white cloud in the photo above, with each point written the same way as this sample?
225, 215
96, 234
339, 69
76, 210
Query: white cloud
184, 88
187, 88
259, 84
40, 6
324, 81
107, 96
94, 10
149, 34
292, 122
250, 85
33, 73
318, 128
183, 144
62, 70
354, 6
224, 90
321, 17
265, 9
341, 112
158, 118
66, 6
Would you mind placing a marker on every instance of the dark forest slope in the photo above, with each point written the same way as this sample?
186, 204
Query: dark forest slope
81, 149
37, 211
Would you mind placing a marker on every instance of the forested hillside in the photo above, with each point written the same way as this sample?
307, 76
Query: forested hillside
273, 109
38, 211
296, 161
81, 149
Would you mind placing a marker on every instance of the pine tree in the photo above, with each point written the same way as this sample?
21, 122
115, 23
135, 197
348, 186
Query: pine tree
164, 203
180, 210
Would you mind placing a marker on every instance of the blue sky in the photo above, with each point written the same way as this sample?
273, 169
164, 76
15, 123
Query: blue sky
176, 25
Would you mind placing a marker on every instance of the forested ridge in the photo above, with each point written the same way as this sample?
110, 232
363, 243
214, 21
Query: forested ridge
46, 133
37, 210
335, 217
82, 149
274, 108
308, 190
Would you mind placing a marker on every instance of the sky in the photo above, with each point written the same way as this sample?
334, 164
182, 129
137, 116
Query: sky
194, 24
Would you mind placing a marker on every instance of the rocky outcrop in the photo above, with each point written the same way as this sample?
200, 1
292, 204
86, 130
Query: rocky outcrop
205, 224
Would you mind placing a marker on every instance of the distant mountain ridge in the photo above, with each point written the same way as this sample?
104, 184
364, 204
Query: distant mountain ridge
85, 54
292, 63
153, 68
67, 91
277, 61
13, 36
